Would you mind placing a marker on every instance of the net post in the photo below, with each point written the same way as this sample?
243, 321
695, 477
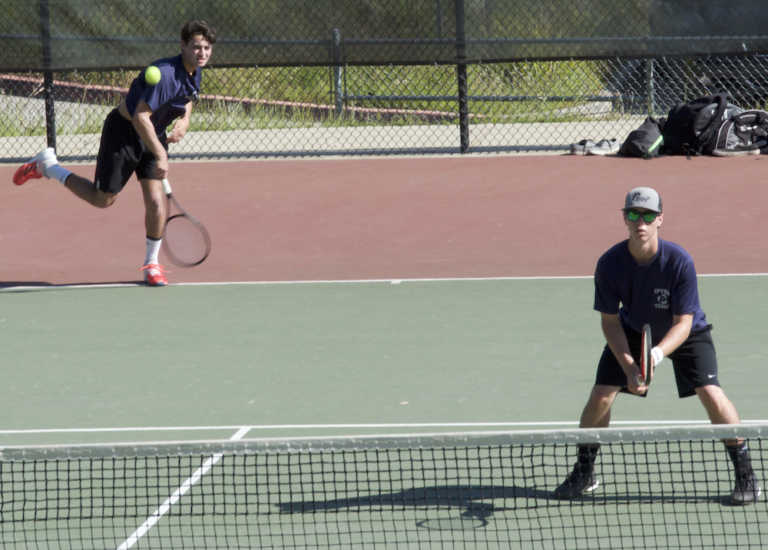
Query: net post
461, 76
50, 111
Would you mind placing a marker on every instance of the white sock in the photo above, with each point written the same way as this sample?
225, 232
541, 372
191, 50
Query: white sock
153, 250
57, 171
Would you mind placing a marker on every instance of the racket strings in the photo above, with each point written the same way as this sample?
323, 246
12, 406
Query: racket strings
186, 242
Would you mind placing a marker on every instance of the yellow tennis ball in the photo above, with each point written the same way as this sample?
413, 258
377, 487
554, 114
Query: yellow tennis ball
152, 75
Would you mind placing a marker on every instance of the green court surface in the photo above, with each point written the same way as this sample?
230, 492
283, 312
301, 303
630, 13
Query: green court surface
408, 355
233, 361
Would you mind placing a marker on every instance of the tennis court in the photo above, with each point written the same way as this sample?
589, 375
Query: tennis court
337, 353
422, 309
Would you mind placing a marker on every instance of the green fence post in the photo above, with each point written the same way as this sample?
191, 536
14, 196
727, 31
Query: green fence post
649, 87
50, 111
461, 75
338, 88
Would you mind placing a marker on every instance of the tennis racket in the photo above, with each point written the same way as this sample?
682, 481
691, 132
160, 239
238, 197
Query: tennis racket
185, 240
646, 369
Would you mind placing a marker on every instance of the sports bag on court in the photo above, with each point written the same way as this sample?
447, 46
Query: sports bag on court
745, 132
711, 125
691, 127
645, 141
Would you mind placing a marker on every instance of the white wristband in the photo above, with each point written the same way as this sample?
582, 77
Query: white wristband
657, 354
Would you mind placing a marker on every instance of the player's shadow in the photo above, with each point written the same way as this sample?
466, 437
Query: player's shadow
471, 501
474, 501
33, 286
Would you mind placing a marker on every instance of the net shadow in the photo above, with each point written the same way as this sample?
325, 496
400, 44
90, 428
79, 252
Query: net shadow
473, 500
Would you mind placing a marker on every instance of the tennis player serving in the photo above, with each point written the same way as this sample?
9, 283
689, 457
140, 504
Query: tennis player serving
645, 279
134, 139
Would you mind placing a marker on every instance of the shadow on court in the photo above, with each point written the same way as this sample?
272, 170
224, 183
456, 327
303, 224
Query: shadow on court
41, 285
473, 500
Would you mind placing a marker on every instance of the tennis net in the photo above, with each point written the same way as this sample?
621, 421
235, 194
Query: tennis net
660, 488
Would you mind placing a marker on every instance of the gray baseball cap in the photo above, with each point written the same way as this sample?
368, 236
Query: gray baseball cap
643, 197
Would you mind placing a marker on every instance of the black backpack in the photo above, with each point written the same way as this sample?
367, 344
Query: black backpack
691, 128
645, 141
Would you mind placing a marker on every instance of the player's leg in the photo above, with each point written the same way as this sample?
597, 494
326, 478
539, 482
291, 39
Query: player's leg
596, 414
695, 366
155, 214
42, 165
154, 222
85, 189
597, 411
117, 158
609, 381
155, 207
719, 408
45, 164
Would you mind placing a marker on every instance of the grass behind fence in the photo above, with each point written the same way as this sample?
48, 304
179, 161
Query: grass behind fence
296, 97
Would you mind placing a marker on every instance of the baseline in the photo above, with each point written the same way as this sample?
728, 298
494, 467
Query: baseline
393, 281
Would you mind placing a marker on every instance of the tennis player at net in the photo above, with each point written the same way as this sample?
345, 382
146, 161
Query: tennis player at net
134, 140
645, 279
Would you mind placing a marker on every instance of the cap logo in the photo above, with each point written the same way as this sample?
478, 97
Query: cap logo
643, 197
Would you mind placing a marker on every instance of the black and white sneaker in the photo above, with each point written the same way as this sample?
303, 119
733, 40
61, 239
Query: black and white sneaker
746, 490
604, 147
576, 484
582, 147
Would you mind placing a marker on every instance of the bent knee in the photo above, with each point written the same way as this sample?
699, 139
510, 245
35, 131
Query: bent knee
711, 391
105, 200
154, 204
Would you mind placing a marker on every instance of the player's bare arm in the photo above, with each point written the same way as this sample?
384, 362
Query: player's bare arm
677, 334
181, 126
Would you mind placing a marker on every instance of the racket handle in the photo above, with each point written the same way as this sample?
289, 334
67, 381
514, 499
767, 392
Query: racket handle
166, 186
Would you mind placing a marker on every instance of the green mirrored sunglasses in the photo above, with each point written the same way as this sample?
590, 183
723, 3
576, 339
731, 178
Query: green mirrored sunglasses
648, 217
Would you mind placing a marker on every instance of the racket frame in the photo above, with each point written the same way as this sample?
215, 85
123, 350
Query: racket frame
646, 369
182, 213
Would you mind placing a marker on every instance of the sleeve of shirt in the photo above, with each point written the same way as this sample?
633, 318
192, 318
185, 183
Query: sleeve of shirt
606, 298
159, 94
686, 292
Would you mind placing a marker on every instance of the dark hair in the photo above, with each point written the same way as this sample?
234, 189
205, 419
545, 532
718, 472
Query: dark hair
198, 26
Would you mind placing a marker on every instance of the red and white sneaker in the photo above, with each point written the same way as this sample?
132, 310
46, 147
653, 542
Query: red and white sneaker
154, 275
36, 167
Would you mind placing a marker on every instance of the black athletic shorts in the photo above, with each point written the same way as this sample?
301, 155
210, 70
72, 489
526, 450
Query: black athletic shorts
122, 153
694, 363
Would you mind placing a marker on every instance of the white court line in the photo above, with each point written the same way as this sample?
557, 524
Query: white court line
392, 281
400, 425
152, 520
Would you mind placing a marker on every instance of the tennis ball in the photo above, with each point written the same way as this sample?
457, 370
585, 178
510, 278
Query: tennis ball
152, 75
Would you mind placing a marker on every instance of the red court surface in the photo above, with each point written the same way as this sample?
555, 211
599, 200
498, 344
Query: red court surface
497, 216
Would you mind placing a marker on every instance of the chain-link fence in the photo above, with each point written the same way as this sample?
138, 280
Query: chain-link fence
313, 77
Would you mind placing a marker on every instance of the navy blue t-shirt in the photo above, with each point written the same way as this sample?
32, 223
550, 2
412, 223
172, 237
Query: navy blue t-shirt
169, 97
650, 293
